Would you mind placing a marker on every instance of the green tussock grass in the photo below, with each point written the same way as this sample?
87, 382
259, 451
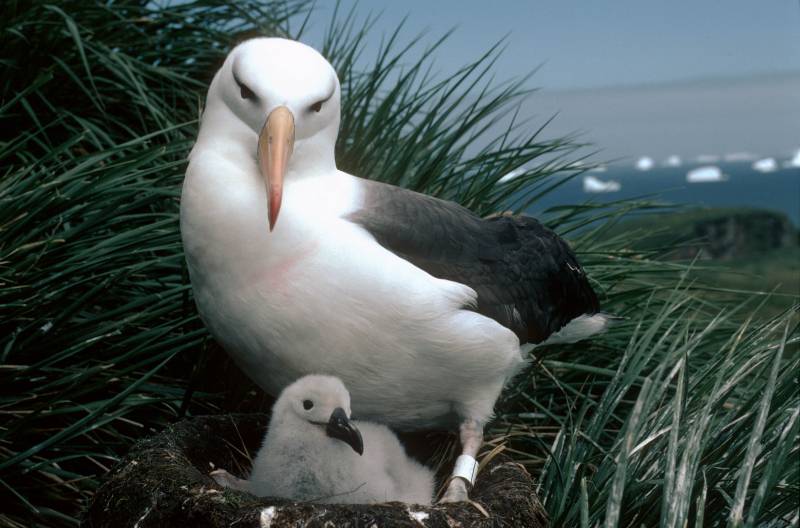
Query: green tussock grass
684, 413
737, 250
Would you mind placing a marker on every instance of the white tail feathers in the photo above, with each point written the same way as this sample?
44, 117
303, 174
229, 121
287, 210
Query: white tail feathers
580, 328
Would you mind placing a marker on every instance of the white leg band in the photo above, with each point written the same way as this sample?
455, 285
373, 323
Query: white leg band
467, 468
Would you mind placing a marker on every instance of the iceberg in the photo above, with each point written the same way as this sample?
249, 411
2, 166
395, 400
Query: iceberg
766, 165
673, 161
593, 184
512, 175
645, 163
709, 173
588, 166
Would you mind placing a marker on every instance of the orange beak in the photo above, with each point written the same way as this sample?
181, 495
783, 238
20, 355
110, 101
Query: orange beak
275, 145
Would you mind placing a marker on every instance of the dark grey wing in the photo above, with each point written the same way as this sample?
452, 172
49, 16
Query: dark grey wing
527, 278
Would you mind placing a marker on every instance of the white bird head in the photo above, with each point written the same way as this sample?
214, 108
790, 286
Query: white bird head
280, 98
319, 402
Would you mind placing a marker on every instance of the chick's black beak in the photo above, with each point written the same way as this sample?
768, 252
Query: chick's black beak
341, 428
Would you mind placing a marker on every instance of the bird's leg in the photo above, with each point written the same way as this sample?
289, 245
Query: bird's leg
466, 468
226, 480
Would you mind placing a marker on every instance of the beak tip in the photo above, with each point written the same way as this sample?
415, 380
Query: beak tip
272, 214
358, 444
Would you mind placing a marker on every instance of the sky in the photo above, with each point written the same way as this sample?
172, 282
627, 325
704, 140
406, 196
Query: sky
683, 77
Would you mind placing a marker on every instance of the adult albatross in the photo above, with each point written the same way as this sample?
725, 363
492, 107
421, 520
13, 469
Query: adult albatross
417, 304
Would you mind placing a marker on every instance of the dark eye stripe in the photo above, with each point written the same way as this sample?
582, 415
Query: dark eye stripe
316, 107
247, 93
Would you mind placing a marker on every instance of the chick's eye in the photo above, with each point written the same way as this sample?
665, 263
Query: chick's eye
316, 107
246, 92
308, 404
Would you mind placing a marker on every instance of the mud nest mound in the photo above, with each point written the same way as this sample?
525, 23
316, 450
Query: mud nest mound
164, 482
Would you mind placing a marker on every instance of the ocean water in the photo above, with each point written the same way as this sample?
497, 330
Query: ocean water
744, 187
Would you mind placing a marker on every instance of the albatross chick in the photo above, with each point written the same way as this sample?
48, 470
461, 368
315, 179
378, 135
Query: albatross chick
314, 452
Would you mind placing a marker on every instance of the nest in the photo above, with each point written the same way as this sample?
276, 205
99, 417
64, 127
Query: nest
164, 482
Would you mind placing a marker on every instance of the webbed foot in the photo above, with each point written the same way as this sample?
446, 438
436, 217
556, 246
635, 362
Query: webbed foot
226, 480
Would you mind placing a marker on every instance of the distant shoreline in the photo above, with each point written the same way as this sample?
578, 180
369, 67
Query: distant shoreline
745, 188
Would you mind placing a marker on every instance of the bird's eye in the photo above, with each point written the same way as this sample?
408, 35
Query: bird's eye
308, 405
316, 107
246, 92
